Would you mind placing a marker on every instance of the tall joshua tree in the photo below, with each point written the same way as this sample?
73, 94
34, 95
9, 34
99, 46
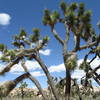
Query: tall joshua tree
76, 21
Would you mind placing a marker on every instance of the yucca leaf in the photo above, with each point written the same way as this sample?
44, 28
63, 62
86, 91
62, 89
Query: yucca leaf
2, 47
73, 6
63, 6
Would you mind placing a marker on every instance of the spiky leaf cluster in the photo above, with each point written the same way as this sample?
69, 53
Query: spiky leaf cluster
71, 62
23, 40
77, 18
84, 66
23, 85
19, 39
63, 6
8, 55
73, 6
35, 37
45, 39
2, 47
4, 59
50, 18
81, 9
22, 34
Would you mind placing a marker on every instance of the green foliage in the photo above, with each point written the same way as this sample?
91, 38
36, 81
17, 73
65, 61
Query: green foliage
23, 84
35, 37
77, 19
46, 19
45, 39
5, 59
87, 32
16, 37
86, 18
12, 54
22, 34
72, 64
63, 6
2, 47
85, 66
73, 6
50, 18
81, 9
70, 18
54, 16
16, 44
36, 31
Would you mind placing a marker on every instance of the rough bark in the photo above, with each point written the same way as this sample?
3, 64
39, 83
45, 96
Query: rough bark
20, 78
9, 66
35, 81
38, 86
51, 83
68, 85
8, 86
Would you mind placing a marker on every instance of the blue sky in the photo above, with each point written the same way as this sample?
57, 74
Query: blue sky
28, 14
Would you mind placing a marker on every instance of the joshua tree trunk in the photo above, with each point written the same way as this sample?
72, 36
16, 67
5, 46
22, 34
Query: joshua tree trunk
68, 74
68, 85
50, 81
78, 89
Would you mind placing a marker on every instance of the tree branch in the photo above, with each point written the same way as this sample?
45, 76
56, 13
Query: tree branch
86, 46
19, 56
35, 81
57, 36
8, 67
51, 83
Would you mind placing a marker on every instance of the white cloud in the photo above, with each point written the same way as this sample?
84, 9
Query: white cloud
33, 73
96, 63
37, 73
79, 62
57, 68
4, 19
45, 52
0, 54
78, 74
31, 65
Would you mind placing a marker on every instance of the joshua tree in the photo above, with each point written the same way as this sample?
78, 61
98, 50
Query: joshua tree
35, 43
76, 21
22, 86
91, 73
